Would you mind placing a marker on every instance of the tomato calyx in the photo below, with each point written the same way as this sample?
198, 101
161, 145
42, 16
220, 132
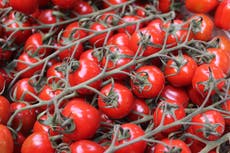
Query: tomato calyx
178, 63
111, 99
74, 65
141, 81
196, 24
169, 108
123, 134
173, 149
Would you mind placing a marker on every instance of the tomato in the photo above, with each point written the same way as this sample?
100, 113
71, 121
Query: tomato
56, 72
146, 37
128, 132
118, 56
169, 111
204, 77
2, 84
203, 28
6, 75
164, 5
83, 8
4, 110
117, 100
221, 59
72, 31
140, 107
24, 6
13, 22
119, 39
5, 55
176, 94
6, 139
113, 2
131, 28
157, 24
201, 6
109, 17
86, 146
18, 142
172, 145
208, 125
179, 72
67, 4
43, 3
224, 43
25, 61
26, 117
99, 39
39, 127
148, 81
226, 107
21, 90
82, 114
37, 142
222, 15
92, 55
86, 70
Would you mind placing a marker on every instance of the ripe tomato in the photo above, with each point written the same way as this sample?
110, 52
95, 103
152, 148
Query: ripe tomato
4, 110
37, 142
176, 94
221, 59
113, 2
203, 79
224, 43
39, 127
67, 4
157, 24
86, 70
179, 72
5, 55
164, 5
82, 114
169, 111
128, 132
2, 84
86, 146
73, 31
222, 15
131, 28
201, 6
148, 82
117, 101
83, 8
172, 145
92, 55
6, 139
56, 72
24, 6
226, 107
210, 125
119, 39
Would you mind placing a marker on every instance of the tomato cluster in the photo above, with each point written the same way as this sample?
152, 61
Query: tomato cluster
120, 76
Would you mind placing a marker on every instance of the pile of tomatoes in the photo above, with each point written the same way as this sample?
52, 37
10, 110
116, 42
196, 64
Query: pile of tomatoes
114, 76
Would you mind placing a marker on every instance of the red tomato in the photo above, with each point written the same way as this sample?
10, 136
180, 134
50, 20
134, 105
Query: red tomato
224, 43
131, 28
18, 142
39, 127
169, 111
157, 24
118, 56
86, 146
130, 131
204, 27
7, 75
203, 78
176, 94
226, 107
222, 15
56, 72
210, 125
109, 17
83, 8
73, 32
119, 39
117, 101
4, 110
25, 61
201, 6
172, 145
26, 117
148, 82
165, 5
2, 84
113, 2
6, 139
24, 6
82, 114
86, 70
37, 142
179, 72
146, 37
92, 55
67, 4
5, 55
221, 59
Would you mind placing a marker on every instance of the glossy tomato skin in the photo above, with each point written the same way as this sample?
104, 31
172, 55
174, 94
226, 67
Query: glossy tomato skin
86, 146
201, 6
222, 15
72, 31
4, 110
86, 70
203, 75
92, 55
6, 139
85, 117
211, 118
39, 127
131, 28
184, 75
56, 72
24, 6
118, 102
170, 144
37, 142
83, 8
164, 5
154, 79
119, 39
113, 2
226, 107
134, 131
224, 43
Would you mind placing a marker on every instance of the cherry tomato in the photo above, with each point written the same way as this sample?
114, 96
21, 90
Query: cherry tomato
224, 43
6, 139
179, 72
37, 142
56, 72
4, 110
92, 55
83, 8
210, 125
226, 107
148, 82
2, 84
117, 101
201, 6
222, 15
82, 114
86, 146
119, 39
72, 31
18, 142
5, 56
130, 131
164, 5
113, 2
39, 127
24, 6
